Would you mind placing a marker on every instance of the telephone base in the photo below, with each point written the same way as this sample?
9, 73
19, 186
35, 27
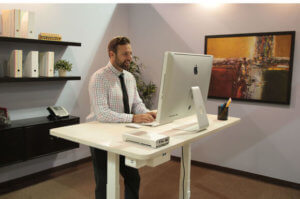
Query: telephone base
54, 118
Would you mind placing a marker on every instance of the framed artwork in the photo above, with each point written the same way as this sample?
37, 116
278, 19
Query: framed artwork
3, 116
252, 67
3, 112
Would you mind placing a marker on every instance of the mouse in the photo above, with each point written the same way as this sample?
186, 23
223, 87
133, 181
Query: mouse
133, 125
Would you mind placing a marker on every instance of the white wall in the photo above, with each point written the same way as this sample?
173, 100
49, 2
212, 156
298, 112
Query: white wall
267, 139
91, 24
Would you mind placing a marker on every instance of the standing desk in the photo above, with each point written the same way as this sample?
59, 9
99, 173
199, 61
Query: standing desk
108, 137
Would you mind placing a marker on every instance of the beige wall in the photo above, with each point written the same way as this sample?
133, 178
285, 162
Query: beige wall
266, 141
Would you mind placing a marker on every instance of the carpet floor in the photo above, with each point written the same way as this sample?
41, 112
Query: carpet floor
161, 182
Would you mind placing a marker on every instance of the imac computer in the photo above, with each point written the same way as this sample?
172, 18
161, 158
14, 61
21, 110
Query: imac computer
184, 87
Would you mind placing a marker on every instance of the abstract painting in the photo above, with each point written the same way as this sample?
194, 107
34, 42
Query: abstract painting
252, 67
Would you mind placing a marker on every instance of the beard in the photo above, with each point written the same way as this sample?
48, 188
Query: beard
124, 65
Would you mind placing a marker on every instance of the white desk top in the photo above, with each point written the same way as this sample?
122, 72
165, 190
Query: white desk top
108, 136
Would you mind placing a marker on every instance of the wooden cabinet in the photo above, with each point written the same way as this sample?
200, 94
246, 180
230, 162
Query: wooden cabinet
11, 146
30, 138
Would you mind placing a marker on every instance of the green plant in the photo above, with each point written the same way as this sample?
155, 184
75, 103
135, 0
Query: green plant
146, 91
63, 65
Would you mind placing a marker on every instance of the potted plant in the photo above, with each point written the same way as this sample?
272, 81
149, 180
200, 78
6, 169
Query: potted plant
146, 91
63, 66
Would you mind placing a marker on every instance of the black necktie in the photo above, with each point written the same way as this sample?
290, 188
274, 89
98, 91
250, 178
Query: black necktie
125, 95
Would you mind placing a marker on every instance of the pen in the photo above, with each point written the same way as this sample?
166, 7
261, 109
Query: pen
228, 102
223, 106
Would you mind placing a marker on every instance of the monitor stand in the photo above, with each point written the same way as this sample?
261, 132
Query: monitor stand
202, 120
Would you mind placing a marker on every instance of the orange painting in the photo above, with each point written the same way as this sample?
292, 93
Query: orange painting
252, 67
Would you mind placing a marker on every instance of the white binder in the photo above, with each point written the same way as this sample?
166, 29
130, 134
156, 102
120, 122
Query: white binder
14, 66
24, 24
30, 27
46, 64
16, 23
31, 68
5, 23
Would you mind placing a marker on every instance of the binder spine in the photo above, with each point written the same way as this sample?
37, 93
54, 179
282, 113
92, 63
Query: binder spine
14, 66
31, 64
17, 23
30, 27
46, 64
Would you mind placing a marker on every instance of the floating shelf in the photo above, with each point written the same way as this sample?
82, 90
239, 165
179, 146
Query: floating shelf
36, 79
38, 41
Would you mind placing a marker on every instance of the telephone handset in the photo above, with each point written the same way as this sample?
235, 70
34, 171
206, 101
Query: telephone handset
57, 112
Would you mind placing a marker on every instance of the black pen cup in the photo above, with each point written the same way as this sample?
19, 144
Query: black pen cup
222, 113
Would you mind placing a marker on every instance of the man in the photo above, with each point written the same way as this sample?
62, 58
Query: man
114, 98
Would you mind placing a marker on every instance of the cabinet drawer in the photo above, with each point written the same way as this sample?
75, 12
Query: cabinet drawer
11, 146
39, 142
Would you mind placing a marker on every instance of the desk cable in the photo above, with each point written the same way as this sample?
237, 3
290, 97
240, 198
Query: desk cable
182, 156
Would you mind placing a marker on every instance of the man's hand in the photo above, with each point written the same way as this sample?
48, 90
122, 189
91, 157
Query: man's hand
153, 114
142, 118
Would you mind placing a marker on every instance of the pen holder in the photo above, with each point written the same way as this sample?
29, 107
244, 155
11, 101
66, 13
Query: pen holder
222, 113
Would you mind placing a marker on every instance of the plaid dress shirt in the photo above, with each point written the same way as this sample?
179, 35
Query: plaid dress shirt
106, 98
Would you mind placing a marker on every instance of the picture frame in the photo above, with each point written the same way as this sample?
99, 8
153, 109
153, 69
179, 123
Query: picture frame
4, 120
3, 112
255, 67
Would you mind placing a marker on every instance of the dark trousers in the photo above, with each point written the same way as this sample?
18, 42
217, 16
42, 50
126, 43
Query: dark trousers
131, 175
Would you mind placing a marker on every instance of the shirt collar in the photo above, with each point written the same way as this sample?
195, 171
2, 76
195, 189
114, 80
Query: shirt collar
114, 70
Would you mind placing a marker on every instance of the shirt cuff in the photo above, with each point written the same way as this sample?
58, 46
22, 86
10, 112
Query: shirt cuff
129, 118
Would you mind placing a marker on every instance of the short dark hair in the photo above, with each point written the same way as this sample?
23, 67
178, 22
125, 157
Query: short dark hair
113, 44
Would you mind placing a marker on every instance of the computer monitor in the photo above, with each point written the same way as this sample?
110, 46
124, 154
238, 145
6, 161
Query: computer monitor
181, 72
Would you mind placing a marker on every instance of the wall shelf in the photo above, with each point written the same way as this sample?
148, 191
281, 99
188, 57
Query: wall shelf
38, 41
37, 79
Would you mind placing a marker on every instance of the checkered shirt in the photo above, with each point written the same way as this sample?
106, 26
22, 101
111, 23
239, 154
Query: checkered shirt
106, 98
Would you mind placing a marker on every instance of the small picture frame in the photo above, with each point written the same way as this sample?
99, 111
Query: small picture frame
3, 112
4, 120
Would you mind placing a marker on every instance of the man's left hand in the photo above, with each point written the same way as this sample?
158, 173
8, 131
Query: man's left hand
153, 114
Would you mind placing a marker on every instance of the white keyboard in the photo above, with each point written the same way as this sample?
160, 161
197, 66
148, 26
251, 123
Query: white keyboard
152, 124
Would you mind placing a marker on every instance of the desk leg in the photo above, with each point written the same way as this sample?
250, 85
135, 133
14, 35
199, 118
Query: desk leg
113, 186
185, 173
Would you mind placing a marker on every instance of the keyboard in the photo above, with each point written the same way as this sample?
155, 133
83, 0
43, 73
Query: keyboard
152, 124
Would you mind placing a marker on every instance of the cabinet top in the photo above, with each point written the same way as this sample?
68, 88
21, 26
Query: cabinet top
35, 121
35, 79
38, 41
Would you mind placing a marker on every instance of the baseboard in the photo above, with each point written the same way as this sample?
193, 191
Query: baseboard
22, 182
262, 178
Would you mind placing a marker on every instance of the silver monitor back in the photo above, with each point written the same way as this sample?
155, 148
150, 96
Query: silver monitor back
182, 71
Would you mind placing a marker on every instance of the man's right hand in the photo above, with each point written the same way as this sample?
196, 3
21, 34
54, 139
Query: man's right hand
142, 118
